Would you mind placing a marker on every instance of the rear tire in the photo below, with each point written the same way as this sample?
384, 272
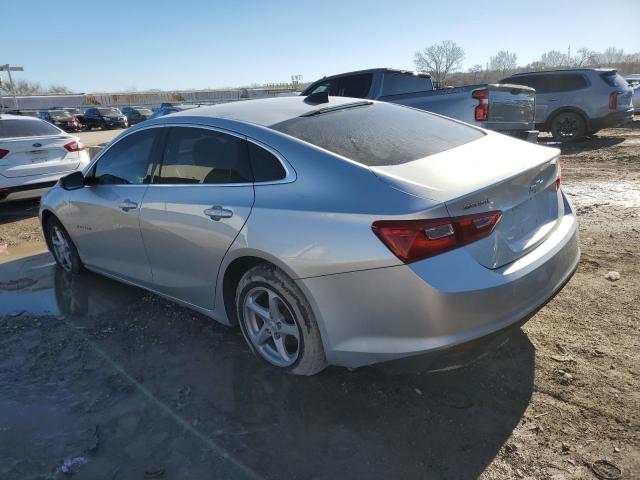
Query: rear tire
567, 126
277, 321
62, 247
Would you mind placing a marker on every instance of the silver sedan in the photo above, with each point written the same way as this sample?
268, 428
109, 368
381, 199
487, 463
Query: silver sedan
331, 230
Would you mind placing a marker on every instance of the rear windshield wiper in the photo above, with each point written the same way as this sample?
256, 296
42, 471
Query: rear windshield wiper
335, 108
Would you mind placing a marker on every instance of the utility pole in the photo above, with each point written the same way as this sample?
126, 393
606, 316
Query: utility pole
8, 68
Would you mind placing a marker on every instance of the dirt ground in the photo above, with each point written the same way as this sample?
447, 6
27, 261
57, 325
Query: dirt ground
111, 382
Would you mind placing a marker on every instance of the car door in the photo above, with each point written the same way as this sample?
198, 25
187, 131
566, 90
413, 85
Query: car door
195, 208
104, 216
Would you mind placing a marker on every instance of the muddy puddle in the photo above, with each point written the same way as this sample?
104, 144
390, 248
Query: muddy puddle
30, 284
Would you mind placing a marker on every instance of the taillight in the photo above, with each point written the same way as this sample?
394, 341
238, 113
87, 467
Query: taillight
3, 153
482, 109
412, 240
558, 176
74, 146
613, 100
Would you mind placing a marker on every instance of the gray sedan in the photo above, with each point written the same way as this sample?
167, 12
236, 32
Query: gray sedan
332, 231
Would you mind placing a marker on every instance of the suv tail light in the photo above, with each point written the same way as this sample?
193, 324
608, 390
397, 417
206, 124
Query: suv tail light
482, 109
412, 240
3, 153
613, 100
74, 146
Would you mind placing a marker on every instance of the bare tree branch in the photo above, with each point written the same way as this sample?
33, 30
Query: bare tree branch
440, 59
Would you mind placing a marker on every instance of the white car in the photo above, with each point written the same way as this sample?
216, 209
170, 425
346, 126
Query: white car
34, 154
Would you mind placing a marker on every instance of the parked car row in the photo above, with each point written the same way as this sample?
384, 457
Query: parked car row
567, 103
403, 184
76, 119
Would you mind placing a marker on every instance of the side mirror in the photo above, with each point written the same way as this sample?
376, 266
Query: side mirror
73, 181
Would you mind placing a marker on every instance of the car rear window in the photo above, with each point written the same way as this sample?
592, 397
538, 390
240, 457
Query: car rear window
614, 79
10, 128
399, 83
377, 134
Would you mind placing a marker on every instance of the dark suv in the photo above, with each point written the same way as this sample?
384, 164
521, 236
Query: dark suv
573, 103
105, 118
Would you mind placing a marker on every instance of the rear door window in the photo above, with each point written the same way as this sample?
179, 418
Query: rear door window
399, 83
566, 82
10, 128
552, 83
201, 156
376, 134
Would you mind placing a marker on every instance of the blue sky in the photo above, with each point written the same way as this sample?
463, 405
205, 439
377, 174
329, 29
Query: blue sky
99, 45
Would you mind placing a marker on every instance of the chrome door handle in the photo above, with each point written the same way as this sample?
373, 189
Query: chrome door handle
127, 205
217, 212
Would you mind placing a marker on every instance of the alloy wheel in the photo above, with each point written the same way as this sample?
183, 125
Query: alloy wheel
271, 327
61, 248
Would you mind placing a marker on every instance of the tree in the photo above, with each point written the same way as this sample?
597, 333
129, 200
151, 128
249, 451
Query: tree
476, 72
440, 59
58, 89
585, 57
554, 59
25, 87
504, 61
611, 56
536, 66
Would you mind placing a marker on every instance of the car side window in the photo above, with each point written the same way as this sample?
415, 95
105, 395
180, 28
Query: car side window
266, 166
356, 86
201, 156
128, 161
321, 87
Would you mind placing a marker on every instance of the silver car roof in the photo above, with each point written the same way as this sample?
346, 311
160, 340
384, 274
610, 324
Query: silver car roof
265, 111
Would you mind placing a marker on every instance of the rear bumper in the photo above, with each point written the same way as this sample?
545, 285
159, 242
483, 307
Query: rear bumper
614, 119
23, 192
436, 304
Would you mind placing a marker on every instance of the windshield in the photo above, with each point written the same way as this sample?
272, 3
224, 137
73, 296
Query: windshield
109, 111
59, 114
144, 111
380, 133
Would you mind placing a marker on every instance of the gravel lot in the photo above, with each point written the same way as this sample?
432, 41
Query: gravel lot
94, 371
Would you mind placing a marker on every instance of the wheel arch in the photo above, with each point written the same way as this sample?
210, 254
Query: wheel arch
45, 216
559, 110
234, 268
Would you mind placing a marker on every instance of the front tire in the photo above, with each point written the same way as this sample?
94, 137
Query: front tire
277, 321
567, 126
62, 247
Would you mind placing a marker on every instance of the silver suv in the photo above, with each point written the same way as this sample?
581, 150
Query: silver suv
573, 103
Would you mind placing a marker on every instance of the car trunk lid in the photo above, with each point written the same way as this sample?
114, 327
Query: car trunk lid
495, 173
37, 156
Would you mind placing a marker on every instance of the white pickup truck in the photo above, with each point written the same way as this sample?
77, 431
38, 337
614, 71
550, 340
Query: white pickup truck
508, 109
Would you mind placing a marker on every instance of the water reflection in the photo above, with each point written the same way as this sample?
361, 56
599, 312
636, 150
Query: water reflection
32, 285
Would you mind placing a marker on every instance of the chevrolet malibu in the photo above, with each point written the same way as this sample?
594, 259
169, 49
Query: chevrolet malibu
331, 230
